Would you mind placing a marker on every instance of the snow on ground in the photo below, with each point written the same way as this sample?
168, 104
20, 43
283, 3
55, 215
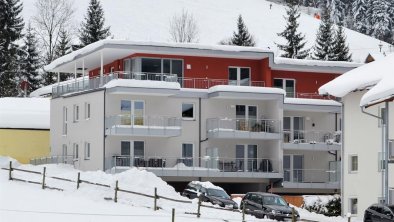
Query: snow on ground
149, 20
28, 202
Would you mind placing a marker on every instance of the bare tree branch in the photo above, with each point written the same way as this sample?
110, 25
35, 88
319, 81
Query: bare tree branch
183, 28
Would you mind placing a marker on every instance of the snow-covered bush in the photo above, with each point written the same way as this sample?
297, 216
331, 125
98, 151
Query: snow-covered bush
329, 205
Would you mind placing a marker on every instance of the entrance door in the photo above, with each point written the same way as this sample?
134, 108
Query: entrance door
252, 158
246, 157
239, 76
246, 117
132, 153
293, 167
240, 157
125, 148
294, 128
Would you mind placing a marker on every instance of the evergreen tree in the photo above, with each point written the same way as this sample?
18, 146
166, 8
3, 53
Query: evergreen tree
295, 41
30, 60
93, 29
11, 25
340, 49
337, 11
368, 17
380, 19
242, 37
359, 9
63, 48
324, 38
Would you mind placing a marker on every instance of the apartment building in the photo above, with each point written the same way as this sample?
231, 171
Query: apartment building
194, 112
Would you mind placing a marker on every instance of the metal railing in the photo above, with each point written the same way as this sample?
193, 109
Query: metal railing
311, 137
132, 122
311, 175
98, 81
311, 96
242, 124
218, 164
69, 159
205, 83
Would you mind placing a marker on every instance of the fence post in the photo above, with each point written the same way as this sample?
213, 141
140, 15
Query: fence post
293, 218
116, 192
78, 179
173, 215
199, 207
155, 200
43, 178
9, 174
243, 213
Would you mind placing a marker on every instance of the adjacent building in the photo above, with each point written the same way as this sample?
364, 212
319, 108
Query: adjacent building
231, 115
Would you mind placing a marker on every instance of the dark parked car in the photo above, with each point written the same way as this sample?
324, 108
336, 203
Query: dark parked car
268, 205
209, 193
379, 212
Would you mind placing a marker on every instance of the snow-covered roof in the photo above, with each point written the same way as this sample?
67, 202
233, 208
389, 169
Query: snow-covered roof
142, 84
307, 62
25, 113
319, 102
382, 91
207, 185
360, 78
246, 89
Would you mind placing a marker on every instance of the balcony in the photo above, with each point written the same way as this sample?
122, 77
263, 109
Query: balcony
156, 126
265, 129
311, 178
311, 140
210, 166
205, 83
83, 84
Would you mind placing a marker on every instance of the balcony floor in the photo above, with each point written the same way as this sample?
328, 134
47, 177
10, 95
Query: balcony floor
239, 134
312, 146
124, 130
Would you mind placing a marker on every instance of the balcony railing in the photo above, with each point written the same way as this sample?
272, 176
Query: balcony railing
310, 96
69, 159
235, 128
188, 166
311, 137
311, 175
162, 126
98, 81
205, 83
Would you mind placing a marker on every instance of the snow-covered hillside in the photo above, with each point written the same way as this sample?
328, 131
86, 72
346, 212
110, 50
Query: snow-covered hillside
28, 202
148, 20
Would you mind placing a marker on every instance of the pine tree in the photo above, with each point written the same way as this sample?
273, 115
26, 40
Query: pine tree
359, 9
11, 25
368, 17
337, 11
30, 60
380, 19
63, 48
242, 37
340, 49
295, 41
92, 29
324, 38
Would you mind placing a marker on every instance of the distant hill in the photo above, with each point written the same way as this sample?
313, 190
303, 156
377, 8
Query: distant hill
148, 20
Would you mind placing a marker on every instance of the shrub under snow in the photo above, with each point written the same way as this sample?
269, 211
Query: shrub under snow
329, 205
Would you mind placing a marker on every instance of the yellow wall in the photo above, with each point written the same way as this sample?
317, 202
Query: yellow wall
24, 144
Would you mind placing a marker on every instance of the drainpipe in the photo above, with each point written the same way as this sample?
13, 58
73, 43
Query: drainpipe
105, 90
385, 148
342, 186
199, 132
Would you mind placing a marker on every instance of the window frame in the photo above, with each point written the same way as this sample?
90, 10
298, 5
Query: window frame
65, 121
87, 111
284, 86
239, 74
75, 113
75, 151
87, 151
351, 169
194, 113
351, 199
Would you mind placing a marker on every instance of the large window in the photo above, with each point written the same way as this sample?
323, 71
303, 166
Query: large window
154, 65
187, 154
132, 112
286, 84
239, 76
188, 111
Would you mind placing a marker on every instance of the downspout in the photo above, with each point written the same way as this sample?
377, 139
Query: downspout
199, 132
342, 186
105, 90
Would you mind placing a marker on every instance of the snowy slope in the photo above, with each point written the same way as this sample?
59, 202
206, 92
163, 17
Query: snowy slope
28, 202
148, 20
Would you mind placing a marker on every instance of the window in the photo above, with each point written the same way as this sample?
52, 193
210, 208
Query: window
239, 76
87, 151
132, 112
75, 151
64, 120
187, 110
286, 84
64, 150
353, 159
139, 149
76, 113
353, 205
187, 154
87, 110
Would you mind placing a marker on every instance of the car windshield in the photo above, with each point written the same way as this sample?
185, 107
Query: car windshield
217, 193
273, 200
391, 208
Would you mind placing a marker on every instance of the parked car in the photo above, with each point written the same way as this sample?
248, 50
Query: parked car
209, 193
379, 212
268, 205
